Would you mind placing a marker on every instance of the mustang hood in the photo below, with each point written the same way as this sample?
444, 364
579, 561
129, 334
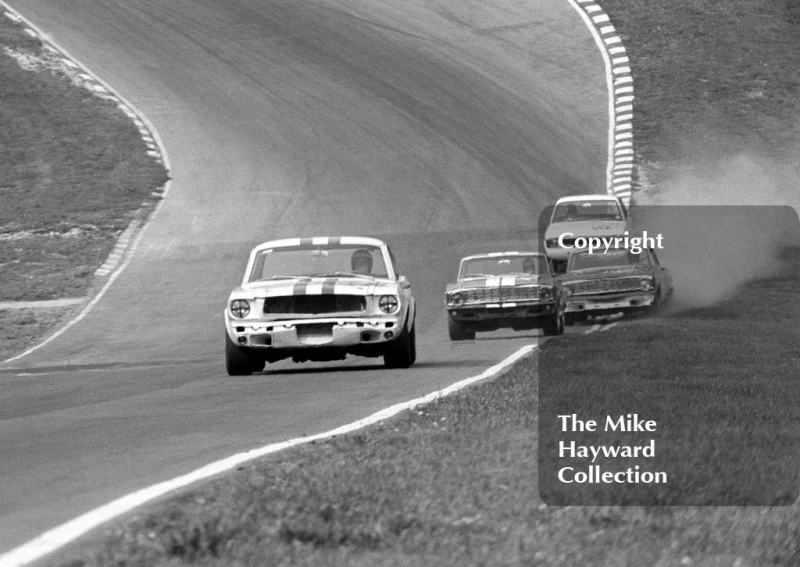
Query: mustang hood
318, 286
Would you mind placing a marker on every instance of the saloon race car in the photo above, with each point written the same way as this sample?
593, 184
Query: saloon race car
577, 218
504, 289
615, 281
319, 299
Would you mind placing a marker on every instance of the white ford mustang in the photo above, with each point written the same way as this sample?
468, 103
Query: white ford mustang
319, 298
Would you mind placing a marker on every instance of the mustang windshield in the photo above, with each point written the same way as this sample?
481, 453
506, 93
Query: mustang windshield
587, 210
503, 266
611, 259
318, 261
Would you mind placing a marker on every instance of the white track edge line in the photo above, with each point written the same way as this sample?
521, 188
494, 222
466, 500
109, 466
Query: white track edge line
143, 228
60, 536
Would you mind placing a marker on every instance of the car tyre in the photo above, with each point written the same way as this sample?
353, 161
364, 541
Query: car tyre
240, 361
555, 324
667, 299
401, 352
655, 307
413, 340
459, 331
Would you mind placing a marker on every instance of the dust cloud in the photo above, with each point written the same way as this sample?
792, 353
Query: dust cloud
722, 225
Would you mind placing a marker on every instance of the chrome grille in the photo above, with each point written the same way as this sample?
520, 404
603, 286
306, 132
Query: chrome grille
605, 285
314, 304
481, 295
478, 296
520, 293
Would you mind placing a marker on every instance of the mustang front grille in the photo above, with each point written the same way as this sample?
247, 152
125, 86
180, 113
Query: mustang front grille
605, 285
314, 304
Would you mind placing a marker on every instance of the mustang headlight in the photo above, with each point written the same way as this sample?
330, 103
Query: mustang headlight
545, 293
456, 298
646, 284
240, 308
388, 303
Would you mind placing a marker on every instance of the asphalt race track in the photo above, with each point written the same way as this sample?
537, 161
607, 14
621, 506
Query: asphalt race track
443, 128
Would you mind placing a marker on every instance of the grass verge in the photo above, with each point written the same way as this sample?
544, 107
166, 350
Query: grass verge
711, 79
74, 171
719, 385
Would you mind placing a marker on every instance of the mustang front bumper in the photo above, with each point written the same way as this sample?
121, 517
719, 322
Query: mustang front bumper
310, 333
588, 303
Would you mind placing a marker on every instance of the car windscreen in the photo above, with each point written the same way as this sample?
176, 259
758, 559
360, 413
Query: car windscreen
315, 261
503, 265
587, 210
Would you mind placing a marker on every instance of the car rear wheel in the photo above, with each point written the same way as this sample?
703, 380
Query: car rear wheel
241, 361
402, 352
459, 331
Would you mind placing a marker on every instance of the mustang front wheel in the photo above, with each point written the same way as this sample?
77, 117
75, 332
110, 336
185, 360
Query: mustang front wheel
402, 352
241, 361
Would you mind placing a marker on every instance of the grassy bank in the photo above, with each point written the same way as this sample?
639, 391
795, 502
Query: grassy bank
711, 79
718, 384
74, 171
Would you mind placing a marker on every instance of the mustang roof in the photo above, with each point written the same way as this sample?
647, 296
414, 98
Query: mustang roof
320, 241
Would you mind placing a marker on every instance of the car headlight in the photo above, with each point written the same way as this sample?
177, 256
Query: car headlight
240, 308
388, 303
646, 284
456, 298
551, 242
545, 293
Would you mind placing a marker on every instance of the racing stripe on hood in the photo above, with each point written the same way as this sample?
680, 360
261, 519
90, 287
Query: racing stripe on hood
493, 281
329, 286
321, 287
321, 241
301, 287
508, 280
